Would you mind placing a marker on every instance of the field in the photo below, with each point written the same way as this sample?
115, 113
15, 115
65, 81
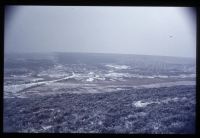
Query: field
99, 93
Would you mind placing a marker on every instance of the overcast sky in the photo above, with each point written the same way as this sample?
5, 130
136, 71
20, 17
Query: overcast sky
167, 31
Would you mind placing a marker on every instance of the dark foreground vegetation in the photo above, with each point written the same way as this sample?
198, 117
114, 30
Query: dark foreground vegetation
154, 110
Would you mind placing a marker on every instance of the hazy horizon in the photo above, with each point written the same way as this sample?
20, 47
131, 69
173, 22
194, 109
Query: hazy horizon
158, 31
95, 53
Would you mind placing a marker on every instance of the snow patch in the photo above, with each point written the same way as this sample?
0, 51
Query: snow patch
91, 73
116, 75
167, 100
46, 127
37, 79
141, 104
118, 66
90, 79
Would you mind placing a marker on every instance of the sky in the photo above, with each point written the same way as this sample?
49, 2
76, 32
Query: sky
165, 31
